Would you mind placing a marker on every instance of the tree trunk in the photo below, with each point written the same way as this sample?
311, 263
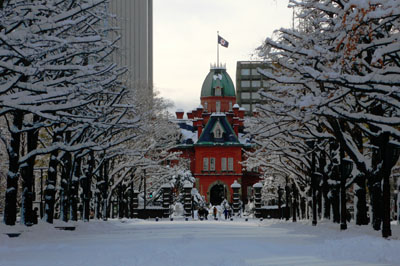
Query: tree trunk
10, 208
85, 183
327, 201
361, 201
335, 204
74, 188
294, 207
376, 204
104, 191
50, 190
27, 175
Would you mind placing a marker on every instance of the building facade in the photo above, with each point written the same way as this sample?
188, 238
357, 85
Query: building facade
134, 24
214, 142
248, 83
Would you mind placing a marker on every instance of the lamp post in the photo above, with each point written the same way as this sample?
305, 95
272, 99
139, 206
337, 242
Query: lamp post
145, 189
280, 192
311, 144
346, 166
287, 194
392, 154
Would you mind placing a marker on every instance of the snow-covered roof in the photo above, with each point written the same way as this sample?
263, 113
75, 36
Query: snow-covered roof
236, 105
218, 114
180, 110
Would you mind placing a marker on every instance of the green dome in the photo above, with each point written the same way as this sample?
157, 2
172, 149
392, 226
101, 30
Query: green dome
218, 77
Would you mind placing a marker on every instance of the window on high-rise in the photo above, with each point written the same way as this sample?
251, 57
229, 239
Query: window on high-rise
245, 71
245, 95
245, 83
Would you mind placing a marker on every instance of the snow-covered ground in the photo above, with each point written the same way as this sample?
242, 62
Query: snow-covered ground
179, 242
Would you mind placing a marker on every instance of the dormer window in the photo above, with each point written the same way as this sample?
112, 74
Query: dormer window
218, 130
218, 91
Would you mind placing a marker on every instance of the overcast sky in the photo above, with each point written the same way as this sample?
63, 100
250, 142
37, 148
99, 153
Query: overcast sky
185, 40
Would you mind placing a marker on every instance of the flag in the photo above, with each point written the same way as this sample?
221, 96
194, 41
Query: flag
223, 42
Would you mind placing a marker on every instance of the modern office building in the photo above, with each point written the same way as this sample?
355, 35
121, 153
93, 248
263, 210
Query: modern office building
248, 83
134, 21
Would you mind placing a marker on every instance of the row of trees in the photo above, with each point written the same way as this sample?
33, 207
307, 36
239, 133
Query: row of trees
330, 119
64, 107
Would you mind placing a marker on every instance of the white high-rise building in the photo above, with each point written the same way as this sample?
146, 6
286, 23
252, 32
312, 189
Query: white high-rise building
134, 21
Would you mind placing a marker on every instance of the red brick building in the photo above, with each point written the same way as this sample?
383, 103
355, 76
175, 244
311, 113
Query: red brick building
212, 139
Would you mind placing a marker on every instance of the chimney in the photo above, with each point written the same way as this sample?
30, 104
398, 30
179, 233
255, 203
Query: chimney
199, 124
236, 110
179, 113
189, 115
200, 111
255, 112
241, 112
206, 117
229, 116
236, 125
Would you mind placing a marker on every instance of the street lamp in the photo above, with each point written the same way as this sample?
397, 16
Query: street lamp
311, 144
145, 189
280, 193
346, 166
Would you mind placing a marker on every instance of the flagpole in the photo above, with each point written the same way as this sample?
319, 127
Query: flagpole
217, 49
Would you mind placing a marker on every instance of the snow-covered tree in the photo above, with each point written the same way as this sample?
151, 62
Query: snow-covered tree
53, 71
336, 77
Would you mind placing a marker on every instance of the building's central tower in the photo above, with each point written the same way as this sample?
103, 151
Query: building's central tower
218, 92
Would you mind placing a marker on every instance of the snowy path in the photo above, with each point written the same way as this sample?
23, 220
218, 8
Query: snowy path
147, 243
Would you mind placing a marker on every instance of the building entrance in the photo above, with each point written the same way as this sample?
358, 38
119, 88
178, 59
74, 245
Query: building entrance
217, 194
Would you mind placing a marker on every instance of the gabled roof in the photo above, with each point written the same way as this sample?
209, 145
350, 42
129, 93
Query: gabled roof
218, 121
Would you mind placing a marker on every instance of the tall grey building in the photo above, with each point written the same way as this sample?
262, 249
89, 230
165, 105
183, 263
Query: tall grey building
134, 21
248, 83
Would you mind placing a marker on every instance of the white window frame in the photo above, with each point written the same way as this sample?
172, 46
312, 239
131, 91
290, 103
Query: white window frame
212, 164
223, 164
230, 164
218, 130
218, 106
205, 164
